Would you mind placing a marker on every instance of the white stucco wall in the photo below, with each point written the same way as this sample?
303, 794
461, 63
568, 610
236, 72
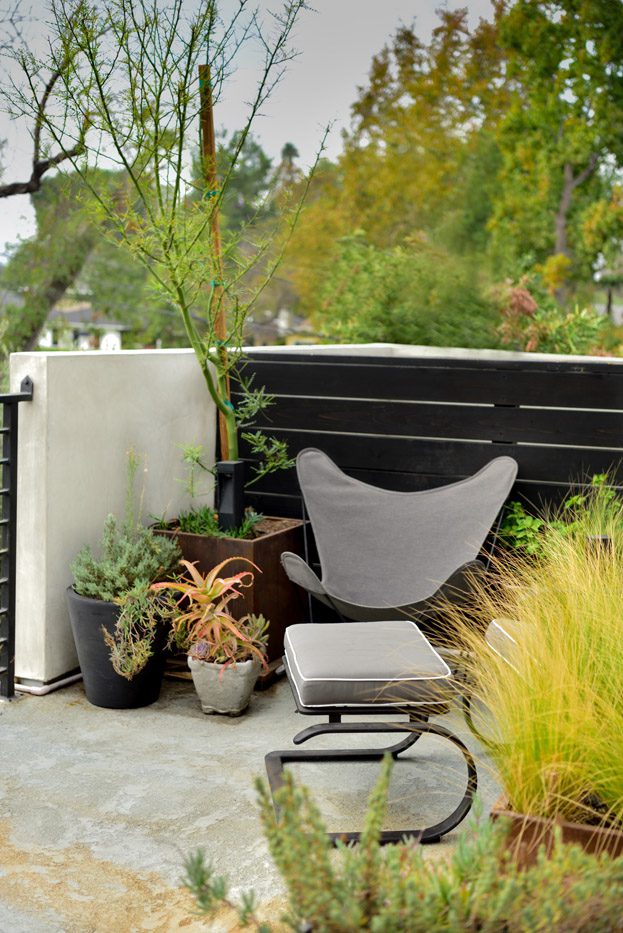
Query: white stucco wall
88, 409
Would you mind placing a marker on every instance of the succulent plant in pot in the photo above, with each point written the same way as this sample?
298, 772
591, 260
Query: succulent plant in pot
225, 654
119, 624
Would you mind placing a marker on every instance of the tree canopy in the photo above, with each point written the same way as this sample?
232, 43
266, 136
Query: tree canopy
485, 158
500, 142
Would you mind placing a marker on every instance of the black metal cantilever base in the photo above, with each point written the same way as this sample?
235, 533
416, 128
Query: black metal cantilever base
276, 761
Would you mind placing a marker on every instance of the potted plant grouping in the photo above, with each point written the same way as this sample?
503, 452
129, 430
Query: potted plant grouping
553, 697
225, 654
258, 540
168, 214
119, 624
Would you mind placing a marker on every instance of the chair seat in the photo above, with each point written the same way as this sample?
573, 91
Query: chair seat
365, 663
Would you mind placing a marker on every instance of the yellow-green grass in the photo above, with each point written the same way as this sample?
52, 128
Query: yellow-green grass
557, 707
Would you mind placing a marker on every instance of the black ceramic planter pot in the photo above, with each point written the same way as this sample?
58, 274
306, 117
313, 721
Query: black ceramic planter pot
103, 686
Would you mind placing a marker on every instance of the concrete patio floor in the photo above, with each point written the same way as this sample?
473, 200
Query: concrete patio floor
98, 808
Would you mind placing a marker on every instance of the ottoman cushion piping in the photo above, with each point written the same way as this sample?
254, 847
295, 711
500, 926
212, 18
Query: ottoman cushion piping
324, 691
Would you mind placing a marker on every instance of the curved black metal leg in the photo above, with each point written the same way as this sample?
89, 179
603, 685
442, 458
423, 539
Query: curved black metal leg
325, 728
276, 761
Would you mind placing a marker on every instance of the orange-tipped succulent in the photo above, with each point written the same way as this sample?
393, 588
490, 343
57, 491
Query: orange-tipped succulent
204, 626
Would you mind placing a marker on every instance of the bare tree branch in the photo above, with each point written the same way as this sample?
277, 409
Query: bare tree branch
41, 166
11, 20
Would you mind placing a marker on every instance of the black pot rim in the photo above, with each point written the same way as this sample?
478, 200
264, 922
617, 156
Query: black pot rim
89, 599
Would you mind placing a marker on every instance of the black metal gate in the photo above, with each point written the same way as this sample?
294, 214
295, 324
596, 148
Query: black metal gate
8, 530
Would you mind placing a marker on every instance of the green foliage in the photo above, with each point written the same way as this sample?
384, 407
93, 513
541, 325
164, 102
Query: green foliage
414, 293
127, 556
211, 892
141, 78
204, 521
520, 529
565, 63
553, 692
131, 558
130, 554
41, 269
272, 454
385, 889
241, 159
533, 320
135, 638
496, 141
528, 532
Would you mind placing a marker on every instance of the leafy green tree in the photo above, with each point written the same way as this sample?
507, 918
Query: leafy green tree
413, 293
421, 155
501, 142
560, 137
71, 255
241, 159
43, 268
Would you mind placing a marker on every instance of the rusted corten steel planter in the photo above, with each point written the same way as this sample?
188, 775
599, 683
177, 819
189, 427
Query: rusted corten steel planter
526, 833
272, 594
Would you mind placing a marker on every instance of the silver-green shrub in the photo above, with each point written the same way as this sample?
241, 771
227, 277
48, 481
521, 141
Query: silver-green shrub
129, 555
394, 888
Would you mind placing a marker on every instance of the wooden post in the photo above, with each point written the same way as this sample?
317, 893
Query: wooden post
208, 156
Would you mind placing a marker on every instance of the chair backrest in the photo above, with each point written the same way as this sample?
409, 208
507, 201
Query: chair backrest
378, 547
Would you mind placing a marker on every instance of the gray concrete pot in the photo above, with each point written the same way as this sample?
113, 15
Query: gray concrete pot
224, 691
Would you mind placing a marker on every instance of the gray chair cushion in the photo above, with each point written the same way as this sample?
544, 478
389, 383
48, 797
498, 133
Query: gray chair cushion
365, 663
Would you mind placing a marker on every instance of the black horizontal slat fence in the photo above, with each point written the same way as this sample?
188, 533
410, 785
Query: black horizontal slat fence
418, 422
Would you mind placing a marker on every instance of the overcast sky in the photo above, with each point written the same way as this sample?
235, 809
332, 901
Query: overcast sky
336, 45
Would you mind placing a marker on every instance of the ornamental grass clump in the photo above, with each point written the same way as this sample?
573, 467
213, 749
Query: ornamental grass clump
554, 700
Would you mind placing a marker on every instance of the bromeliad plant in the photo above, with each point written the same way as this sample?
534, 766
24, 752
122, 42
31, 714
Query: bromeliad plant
203, 626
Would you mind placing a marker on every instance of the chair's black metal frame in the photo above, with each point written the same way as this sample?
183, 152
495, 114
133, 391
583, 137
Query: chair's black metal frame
417, 726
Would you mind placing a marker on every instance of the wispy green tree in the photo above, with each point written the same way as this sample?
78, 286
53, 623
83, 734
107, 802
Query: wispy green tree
135, 82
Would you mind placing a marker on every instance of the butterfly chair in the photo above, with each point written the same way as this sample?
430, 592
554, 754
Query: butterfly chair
387, 554
387, 558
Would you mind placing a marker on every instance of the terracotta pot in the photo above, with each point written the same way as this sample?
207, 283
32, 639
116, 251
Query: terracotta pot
527, 833
224, 690
272, 593
103, 686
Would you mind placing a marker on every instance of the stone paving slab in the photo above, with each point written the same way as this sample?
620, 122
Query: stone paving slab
98, 808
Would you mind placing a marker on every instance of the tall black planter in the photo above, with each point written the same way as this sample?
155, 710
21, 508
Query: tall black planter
230, 493
103, 686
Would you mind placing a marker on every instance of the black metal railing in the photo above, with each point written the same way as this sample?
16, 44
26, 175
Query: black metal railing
8, 530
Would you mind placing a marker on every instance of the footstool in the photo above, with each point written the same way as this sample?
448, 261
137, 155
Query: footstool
363, 668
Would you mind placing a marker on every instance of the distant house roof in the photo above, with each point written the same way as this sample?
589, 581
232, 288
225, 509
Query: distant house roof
82, 314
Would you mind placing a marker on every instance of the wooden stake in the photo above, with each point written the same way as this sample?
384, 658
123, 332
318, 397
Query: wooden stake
208, 155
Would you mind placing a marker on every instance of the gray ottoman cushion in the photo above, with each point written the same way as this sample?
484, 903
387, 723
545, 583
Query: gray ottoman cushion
359, 663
